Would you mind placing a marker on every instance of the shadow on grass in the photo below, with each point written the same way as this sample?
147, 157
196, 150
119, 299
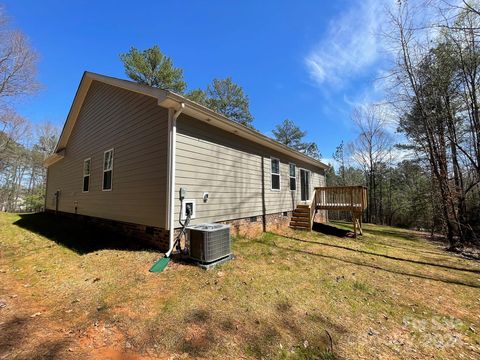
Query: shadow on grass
16, 338
419, 262
259, 336
389, 231
372, 266
402, 235
78, 235
397, 234
331, 230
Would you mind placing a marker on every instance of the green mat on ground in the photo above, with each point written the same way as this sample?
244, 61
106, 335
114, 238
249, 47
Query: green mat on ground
160, 265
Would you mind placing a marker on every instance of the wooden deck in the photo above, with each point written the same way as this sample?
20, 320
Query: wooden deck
345, 198
341, 198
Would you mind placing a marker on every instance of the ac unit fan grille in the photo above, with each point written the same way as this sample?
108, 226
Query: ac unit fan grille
209, 243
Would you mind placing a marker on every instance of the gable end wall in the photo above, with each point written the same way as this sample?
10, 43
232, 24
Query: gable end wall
136, 127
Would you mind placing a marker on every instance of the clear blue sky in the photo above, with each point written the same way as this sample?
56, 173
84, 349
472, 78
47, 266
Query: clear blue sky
309, 61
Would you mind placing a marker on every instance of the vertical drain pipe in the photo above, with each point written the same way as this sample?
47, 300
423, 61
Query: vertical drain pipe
172, 141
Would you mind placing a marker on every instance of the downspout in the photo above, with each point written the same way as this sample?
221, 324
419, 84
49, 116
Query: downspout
173, 115
45, 192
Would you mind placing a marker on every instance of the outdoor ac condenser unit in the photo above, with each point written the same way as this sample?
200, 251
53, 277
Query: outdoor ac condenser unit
209, 243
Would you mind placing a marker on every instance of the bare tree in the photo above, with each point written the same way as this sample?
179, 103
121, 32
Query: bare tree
435, 89
13, 128
17, 63
370, 149
420, 125
23, 176
473, 8
17, 78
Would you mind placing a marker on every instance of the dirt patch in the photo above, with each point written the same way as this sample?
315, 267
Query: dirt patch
197, 340
101, 335
109, 353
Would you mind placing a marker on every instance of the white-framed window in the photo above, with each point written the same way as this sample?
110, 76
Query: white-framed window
292, 171
107, 170
275, 172
87, 168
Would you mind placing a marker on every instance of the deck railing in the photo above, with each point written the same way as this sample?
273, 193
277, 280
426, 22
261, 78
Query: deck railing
343, 198
351, 198
313, 209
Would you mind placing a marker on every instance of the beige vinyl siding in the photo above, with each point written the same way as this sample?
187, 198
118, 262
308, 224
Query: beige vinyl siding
136, 128
230, 169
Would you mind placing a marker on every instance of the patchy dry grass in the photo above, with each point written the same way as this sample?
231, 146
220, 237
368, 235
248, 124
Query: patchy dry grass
67, 291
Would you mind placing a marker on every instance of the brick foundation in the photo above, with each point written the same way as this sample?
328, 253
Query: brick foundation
254, 226
151, 235
158, 237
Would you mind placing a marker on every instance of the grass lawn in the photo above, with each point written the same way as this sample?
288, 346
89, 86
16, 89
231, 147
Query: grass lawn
67, 291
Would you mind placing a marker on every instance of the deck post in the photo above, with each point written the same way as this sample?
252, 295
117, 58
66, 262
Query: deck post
328, 198
354, 224
360, 223
353, 214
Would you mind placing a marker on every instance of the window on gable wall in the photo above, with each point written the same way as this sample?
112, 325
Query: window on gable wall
293, 177
275, 173
86, 174
107, 170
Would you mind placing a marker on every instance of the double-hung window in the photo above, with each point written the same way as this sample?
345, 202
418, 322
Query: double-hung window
87, 163
275, 163
293, 177
107, 170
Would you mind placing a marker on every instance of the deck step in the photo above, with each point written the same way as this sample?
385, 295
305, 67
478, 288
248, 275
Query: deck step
296, 217
299, 227
302, 210
301, 213
300, 224
300, 219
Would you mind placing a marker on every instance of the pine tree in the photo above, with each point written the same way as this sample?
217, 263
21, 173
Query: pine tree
197, 95
292, 136
228, 98
151, 67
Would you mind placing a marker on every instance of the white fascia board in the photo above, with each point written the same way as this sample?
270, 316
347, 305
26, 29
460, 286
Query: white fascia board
202, 113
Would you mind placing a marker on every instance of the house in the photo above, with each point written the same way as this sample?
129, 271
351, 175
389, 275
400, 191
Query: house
127, 149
